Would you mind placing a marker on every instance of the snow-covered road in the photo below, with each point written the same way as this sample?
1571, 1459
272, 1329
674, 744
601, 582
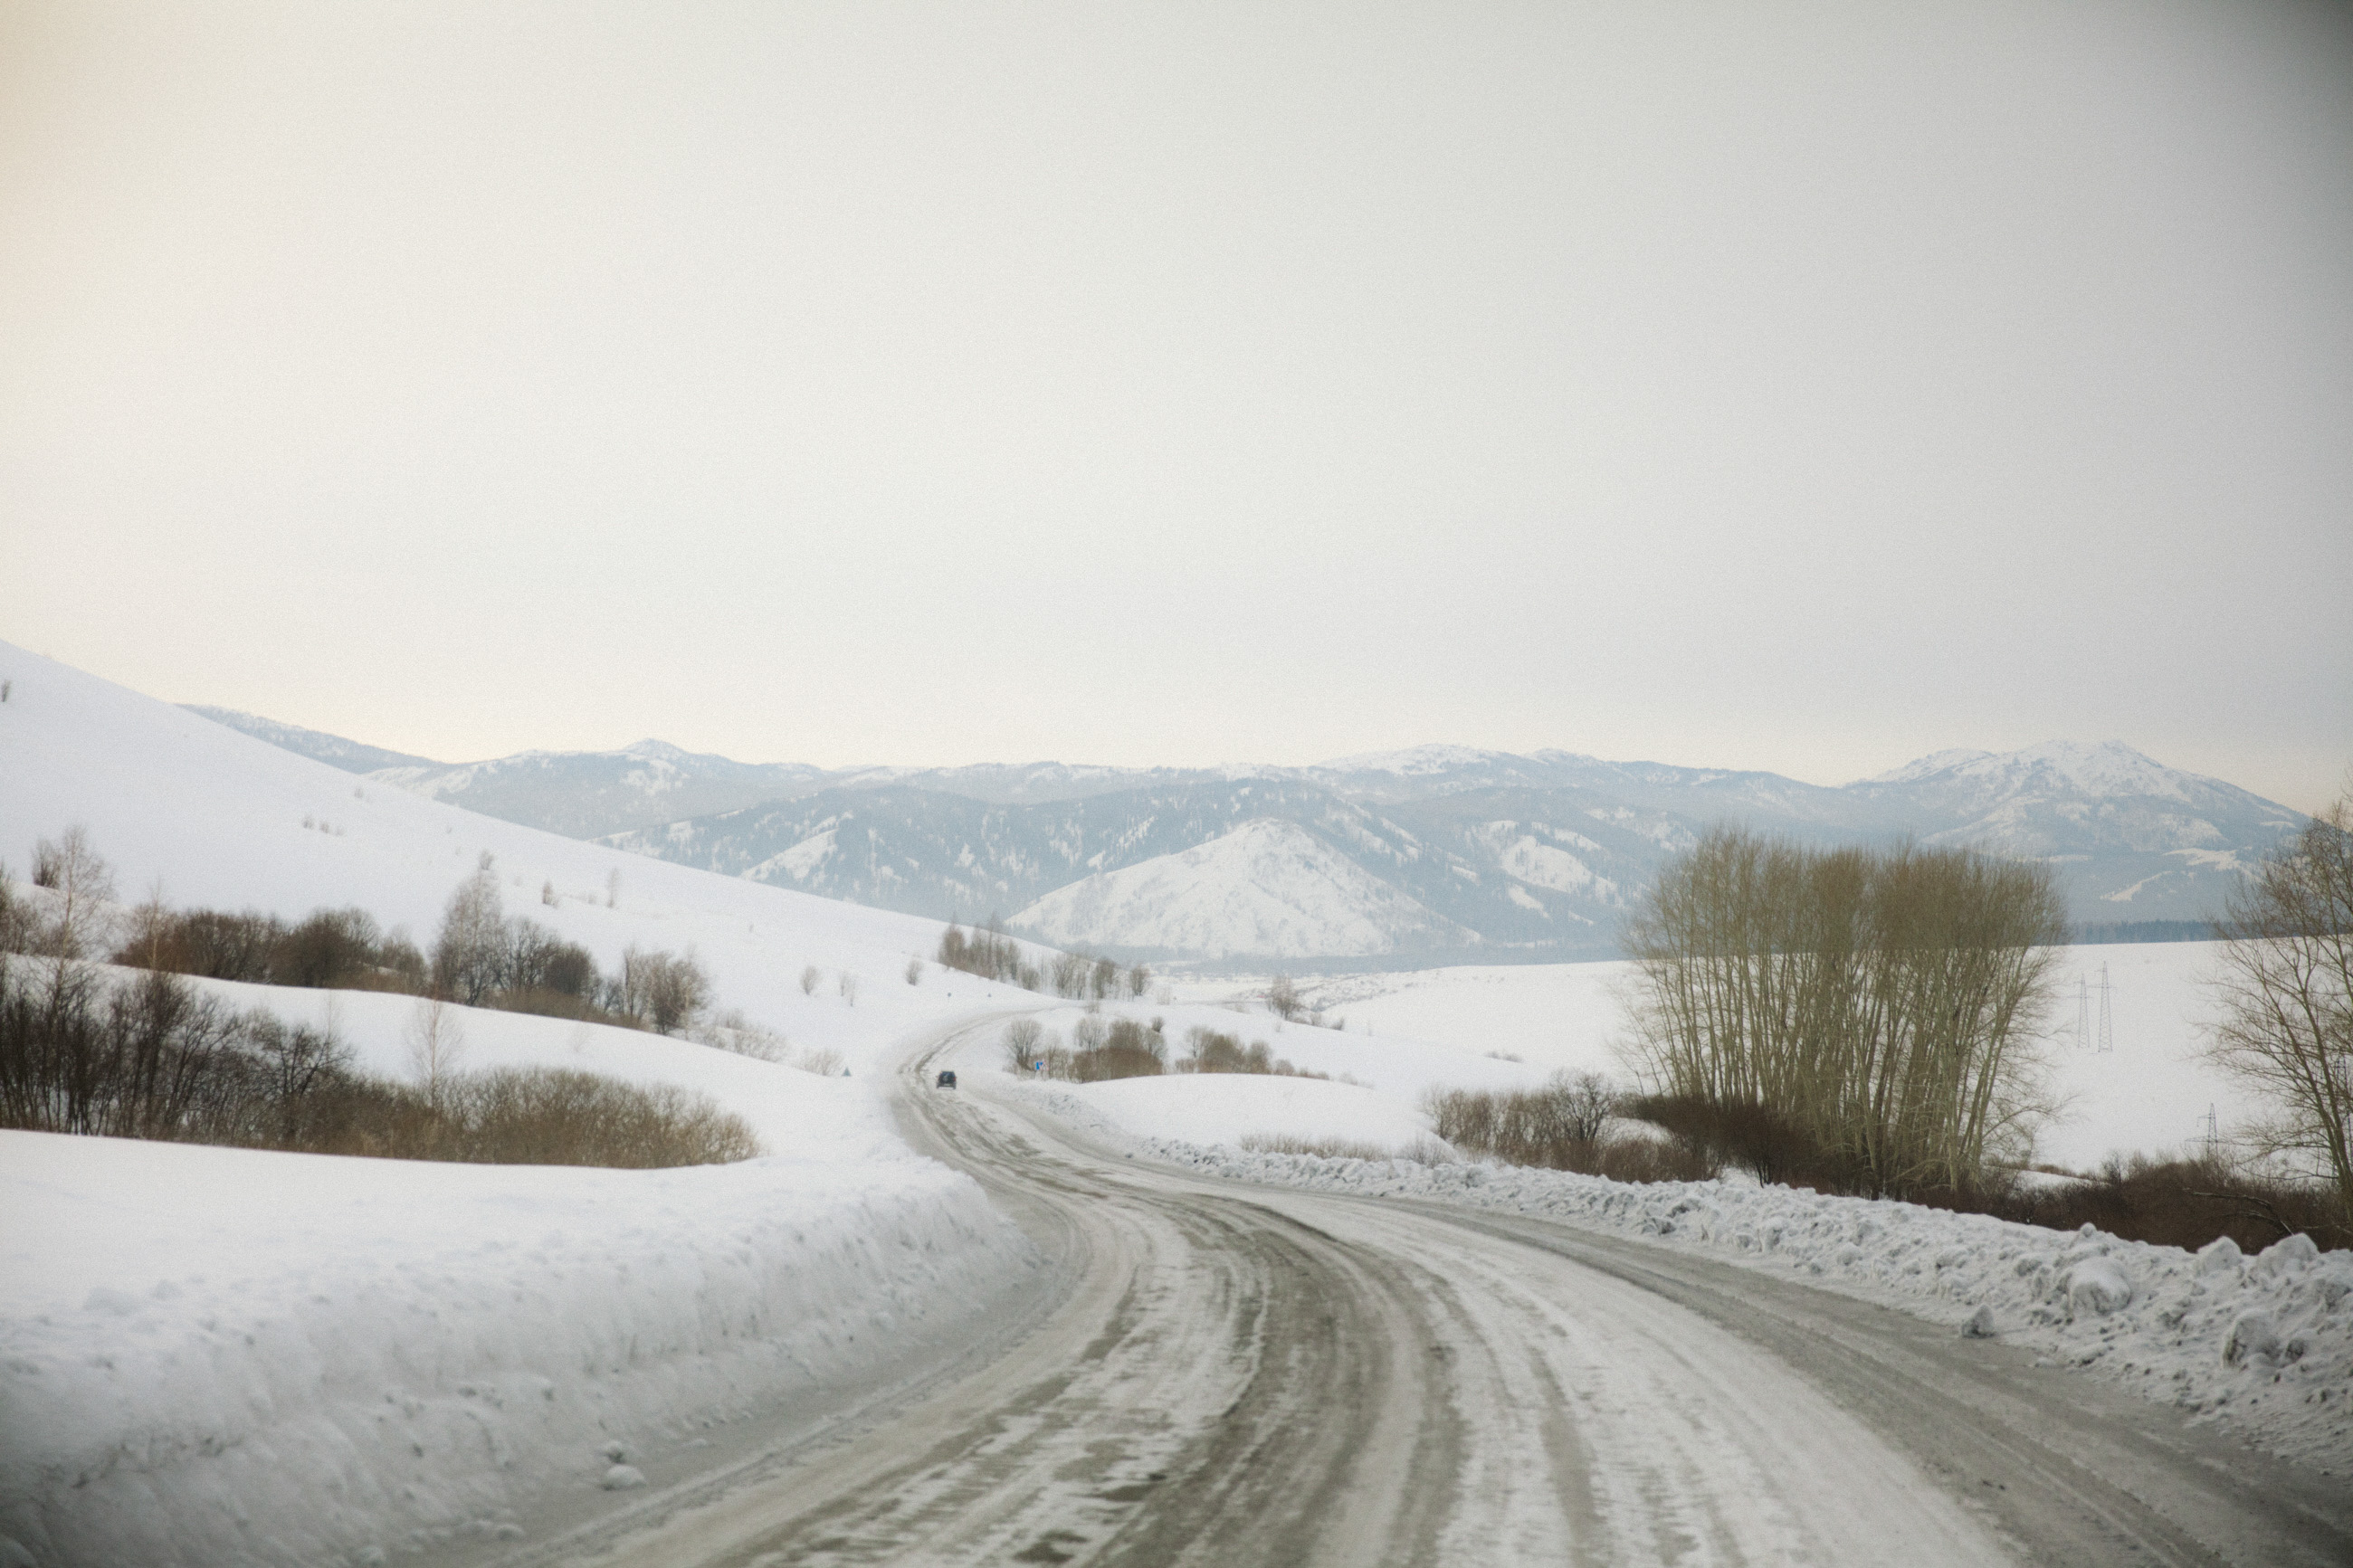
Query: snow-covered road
1260, 1375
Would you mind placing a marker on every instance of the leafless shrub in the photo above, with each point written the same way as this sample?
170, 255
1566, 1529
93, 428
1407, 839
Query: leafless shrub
847, 984
544, 1116
1214, 1051
915, 971
2165, 1203
1558, 1125
82, 903
1021, 1037
809, 977
731, 1031
1284, 1000
824, 1063
662, 989
437, 1044
15, 919
1067, 973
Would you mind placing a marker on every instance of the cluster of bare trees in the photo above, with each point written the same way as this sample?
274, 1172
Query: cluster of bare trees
988, 952
2286, 992
1215, 1051
1104, 1047
1100, 1048
482, 957
1881, 1007
150, 1057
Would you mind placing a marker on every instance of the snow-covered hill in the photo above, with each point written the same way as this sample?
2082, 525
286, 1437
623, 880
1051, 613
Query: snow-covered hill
1268, 888
210, 816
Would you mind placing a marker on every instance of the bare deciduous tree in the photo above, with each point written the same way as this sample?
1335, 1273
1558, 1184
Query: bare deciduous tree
1283, 998
663, 988
470, 956
84, 888
437, 1043
1883, 1004
1022, 1037
2286, 992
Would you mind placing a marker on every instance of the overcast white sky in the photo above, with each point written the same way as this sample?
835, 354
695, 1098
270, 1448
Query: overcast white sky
1803, 387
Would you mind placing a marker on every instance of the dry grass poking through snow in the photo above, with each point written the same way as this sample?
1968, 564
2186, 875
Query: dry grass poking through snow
534, 1116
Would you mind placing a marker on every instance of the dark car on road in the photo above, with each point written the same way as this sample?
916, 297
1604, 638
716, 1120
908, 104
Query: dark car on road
947, 1080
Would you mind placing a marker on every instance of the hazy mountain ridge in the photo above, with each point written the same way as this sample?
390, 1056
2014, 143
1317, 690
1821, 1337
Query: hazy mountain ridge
1447, 849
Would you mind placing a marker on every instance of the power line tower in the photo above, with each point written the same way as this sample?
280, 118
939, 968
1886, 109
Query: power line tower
2107, 1016
2214, 1133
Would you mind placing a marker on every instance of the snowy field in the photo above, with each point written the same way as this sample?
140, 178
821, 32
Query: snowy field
2150, 1093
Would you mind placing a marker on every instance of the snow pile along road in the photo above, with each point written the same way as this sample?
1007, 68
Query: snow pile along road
2264, 1343
232, 1355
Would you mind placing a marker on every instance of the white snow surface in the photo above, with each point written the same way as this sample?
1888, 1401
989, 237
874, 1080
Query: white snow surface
1267, 887
1226, 1107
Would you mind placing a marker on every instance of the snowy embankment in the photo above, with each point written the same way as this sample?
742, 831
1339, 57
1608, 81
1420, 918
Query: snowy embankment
228, 1355
220, 1355
2264, 1344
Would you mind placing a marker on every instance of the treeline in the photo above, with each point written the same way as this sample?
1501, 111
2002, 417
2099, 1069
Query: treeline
1872, 1012
481, 957
1103, 1048
149, 1056
986, 951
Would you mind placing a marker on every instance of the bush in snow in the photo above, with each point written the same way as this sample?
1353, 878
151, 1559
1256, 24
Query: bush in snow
1561, 1125
1022, 1037
731, 1031
660, 989
1214, 1051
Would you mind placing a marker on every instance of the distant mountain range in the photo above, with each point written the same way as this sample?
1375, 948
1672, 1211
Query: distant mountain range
1441, 854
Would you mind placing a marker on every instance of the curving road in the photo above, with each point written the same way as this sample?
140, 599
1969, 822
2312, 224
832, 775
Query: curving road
1228, 1375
